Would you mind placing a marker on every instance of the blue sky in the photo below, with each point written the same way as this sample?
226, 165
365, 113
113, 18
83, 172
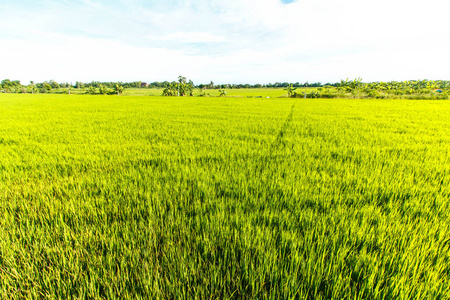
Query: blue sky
232, 41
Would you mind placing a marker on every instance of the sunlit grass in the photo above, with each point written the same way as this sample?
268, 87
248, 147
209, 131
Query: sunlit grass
233, 93
166, 197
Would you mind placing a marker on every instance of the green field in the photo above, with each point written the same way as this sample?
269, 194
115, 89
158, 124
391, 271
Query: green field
233, 93
216, 198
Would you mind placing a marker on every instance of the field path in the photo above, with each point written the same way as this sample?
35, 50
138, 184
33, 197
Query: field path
284, 127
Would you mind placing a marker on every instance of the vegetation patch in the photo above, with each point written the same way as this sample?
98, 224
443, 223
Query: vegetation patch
212, 198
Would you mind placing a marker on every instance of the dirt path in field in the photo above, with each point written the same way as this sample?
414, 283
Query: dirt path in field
287, 122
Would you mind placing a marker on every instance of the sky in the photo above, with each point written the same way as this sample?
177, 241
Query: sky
224, 41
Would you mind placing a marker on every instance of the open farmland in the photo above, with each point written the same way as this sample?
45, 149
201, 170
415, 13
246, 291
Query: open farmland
165, 197
231, 93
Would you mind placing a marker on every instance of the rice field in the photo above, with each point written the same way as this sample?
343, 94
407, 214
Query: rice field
231, 93
223, 198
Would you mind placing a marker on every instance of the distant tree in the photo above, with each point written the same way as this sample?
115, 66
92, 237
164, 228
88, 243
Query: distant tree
47, 87
32, 87
103, 89
188, 89
118, 89
290, 90
11, 86
54, 84
181, 80
170, 89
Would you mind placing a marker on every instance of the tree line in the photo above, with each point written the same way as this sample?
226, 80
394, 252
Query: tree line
15, 86
414, 89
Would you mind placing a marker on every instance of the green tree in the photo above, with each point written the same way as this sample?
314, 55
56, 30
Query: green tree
92, 90
103, 89
32, 87
118, 88
54, 84
11, 86
47, 87
170, 89
181, 80
290, 90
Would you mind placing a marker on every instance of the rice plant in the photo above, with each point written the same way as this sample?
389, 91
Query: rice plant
212, 198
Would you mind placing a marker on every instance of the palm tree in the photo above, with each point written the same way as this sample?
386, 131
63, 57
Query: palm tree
118, 88
290, 90
181, 79
170, 89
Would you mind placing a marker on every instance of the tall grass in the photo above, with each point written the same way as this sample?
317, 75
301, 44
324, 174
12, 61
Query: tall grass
151, 197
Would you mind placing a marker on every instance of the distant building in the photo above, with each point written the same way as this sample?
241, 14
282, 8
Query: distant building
144, 84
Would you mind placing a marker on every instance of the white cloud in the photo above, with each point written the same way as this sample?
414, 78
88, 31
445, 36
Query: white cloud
225, 41
188, 37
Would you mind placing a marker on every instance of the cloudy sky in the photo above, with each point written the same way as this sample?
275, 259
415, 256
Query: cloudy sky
226, 41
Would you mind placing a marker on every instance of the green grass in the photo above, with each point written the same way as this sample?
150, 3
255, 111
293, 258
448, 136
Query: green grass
165, 197
233, 93
143, 92
250, 93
